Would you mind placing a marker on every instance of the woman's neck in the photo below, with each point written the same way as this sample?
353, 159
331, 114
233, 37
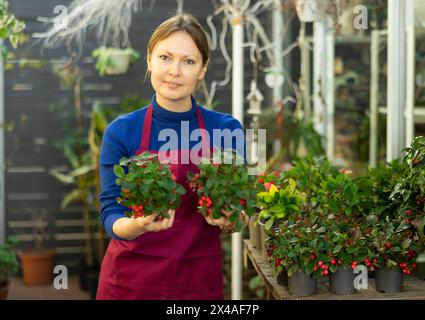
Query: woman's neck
182, 105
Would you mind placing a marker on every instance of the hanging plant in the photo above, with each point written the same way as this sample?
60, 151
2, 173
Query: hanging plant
148, 187
113, 61
10, 28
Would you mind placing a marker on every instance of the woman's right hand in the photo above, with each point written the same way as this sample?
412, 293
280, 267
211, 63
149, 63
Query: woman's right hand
152, 224
131, 228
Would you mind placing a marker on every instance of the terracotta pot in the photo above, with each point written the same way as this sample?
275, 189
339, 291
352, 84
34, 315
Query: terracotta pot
254, 232
4, 289
37, 266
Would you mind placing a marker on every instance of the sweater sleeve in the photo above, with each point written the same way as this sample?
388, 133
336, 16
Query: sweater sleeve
112, 150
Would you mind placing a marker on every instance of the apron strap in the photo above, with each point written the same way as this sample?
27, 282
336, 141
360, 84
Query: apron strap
146, 134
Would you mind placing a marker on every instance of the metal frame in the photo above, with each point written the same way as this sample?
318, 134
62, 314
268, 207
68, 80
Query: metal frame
397, 71
401, 66
324, 92
2, 156
237, 110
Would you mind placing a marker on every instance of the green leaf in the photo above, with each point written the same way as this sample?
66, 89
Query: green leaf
119, 171
269, 224
337, 248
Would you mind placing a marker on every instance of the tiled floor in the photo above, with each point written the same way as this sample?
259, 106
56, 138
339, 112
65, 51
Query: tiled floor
18, 291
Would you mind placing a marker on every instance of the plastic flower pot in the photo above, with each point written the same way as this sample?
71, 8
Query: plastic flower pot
308, 10
301, 284
282, 278
420, 266
389, 280
254, 232
263, 237
4, 289
37, 266
120, 62
342, 281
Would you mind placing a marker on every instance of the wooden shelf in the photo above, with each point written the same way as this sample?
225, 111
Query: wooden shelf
414, 289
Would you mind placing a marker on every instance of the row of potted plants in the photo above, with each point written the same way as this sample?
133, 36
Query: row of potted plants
321, 221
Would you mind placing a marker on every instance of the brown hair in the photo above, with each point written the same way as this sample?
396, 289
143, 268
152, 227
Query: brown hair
181, 22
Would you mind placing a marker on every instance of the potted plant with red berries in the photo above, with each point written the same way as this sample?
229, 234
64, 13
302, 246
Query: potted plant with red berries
300, 247
390, 252
224, 188
147, 186
339, 200
346, 250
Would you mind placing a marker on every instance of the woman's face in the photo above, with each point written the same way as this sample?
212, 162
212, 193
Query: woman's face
176, 66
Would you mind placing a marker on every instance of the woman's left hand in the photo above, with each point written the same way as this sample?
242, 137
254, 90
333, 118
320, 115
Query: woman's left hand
224, 223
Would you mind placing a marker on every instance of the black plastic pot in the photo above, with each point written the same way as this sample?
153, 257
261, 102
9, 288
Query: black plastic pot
301, 285
389, 280
342, 281
282, 278
92, 283
420, 266
85, 273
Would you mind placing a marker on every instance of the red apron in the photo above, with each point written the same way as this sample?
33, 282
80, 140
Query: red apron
181, 263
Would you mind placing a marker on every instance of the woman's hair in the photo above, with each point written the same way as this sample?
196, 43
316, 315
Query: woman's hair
181, 22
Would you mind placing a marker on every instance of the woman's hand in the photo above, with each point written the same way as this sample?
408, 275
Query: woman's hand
224, 223
131, 228
152, 223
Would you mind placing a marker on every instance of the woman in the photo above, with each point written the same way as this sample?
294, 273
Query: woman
180, 257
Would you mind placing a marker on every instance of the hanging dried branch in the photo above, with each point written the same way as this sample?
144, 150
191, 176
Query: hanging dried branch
111, 19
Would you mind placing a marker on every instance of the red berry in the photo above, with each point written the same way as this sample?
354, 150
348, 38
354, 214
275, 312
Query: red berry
414, 265
408, 212
408, 272
315, 268
388, 245
323, 266
407, 221
333, 261
312, 257
326, 272
375, 260
319, 263
260, 180
339, 261
242, 202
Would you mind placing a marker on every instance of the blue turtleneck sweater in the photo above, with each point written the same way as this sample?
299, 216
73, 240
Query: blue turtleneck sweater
122, 139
